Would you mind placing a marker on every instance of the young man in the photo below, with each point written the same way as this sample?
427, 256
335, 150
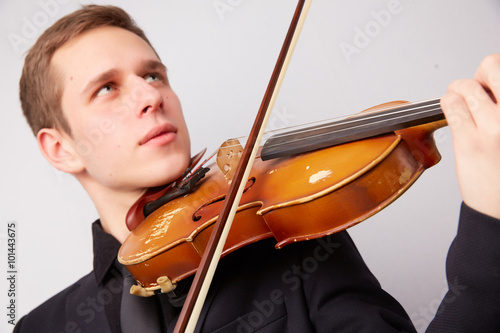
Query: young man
95, 70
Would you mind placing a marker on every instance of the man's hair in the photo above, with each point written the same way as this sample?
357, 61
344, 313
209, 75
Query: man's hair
39, 90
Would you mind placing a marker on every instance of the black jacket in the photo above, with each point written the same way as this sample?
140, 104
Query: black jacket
472, 303
315, 286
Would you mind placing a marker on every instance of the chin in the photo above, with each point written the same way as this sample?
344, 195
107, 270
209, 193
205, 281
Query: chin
170, 174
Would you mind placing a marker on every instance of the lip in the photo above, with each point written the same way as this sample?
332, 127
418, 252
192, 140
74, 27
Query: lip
160, 134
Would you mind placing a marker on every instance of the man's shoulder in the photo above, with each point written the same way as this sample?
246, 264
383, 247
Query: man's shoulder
60, 312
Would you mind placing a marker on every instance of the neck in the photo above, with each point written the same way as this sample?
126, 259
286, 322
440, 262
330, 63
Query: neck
113, 222
112, 206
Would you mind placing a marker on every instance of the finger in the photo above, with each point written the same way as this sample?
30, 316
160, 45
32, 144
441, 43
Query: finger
488, 75
457, 115
478, 101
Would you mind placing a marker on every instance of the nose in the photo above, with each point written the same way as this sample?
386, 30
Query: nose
145, 98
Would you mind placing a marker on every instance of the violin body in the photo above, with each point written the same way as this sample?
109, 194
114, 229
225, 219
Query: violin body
291, 199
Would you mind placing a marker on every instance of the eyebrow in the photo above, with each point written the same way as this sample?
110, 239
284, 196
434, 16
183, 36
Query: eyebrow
154, 65
101, 78
148, 65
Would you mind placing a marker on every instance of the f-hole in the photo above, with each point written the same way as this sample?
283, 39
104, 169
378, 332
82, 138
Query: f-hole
196, 216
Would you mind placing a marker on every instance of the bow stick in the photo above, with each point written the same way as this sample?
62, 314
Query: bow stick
204, 275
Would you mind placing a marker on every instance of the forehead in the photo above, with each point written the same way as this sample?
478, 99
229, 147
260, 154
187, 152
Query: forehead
99, 49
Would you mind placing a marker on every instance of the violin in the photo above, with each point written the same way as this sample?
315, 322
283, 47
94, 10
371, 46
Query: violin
333, 176
332, 188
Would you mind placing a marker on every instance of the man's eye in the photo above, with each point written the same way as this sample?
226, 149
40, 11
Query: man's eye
152, 78
104, 90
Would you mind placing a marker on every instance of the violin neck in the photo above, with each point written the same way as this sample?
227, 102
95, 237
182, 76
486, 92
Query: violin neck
362, 126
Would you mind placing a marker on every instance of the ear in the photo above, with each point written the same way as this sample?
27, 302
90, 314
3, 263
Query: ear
57, 148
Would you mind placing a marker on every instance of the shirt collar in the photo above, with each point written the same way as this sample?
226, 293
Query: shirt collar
105, 251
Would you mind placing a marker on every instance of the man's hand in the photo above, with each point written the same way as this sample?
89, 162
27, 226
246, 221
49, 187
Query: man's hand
473, 113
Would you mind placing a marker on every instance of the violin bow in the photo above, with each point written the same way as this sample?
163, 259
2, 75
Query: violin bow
197, 293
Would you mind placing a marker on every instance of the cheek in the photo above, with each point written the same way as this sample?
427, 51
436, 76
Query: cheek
176, 111
104, 158
100, 139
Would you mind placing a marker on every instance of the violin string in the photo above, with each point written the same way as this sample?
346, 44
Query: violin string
375, 113
396, 115
408, 109
290, 141
199, 166
317, 124
389, 113
350, 128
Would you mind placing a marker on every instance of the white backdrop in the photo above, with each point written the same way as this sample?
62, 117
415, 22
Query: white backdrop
220, 54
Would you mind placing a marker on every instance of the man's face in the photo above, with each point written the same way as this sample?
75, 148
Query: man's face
126, 121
